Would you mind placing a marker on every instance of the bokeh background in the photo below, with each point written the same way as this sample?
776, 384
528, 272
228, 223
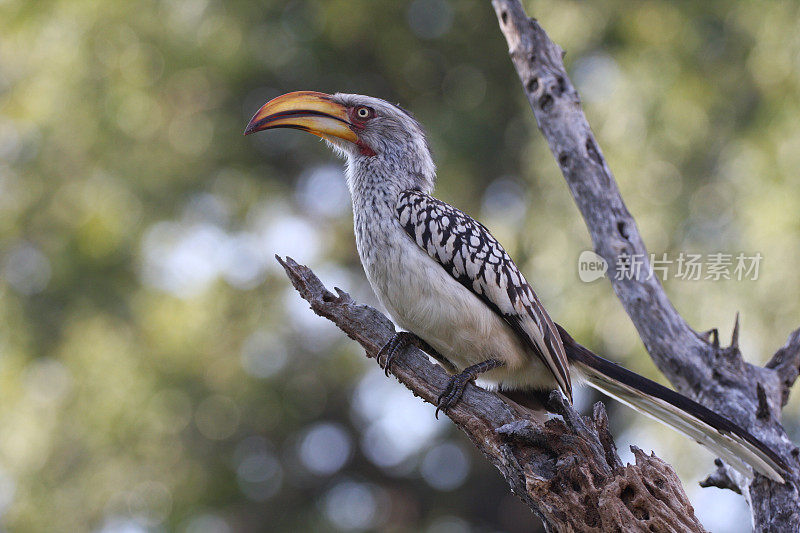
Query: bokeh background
158, 373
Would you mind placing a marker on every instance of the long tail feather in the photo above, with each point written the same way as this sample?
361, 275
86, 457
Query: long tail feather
733, 444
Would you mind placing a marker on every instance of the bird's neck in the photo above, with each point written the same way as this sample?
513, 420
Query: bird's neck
375, 190
375, 184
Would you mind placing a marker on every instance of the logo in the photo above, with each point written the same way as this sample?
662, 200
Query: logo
591, 266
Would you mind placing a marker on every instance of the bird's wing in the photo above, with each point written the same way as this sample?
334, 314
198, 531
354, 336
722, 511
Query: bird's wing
469, 253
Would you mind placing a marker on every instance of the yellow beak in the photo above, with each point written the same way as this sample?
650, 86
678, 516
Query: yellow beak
304, 110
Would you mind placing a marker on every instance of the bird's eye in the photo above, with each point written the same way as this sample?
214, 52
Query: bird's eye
363, 112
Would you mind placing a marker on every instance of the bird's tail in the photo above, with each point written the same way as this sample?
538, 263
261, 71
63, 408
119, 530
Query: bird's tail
736, 446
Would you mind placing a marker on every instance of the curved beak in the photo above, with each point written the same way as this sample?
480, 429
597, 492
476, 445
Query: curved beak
304, 110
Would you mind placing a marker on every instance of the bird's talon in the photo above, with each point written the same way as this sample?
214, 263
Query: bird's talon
385, 353
455, 387
444, 392
387, 364
452, 392
398, 342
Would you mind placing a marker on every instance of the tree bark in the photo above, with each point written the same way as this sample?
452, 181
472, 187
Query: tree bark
566, 470
694, 363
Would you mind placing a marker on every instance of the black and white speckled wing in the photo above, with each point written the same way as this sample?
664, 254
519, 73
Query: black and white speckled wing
466, 250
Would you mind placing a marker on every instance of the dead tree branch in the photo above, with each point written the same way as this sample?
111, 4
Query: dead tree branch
786, 364
566, 470
716, 376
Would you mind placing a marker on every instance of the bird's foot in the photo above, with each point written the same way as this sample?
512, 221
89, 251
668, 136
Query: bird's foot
452, 393
455, 387
399, 341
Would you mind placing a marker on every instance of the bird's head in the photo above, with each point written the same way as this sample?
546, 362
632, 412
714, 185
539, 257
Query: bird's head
373, 134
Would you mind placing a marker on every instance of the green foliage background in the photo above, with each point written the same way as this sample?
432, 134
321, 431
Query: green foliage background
157, 373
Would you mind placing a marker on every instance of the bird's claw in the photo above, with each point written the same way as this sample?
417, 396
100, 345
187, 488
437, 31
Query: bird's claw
452, 392
458, 382
398, 342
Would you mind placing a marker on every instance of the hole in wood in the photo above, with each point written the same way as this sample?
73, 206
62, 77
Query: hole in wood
622, 228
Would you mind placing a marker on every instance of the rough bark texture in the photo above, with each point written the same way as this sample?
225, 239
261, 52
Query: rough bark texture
695, 363
566, 470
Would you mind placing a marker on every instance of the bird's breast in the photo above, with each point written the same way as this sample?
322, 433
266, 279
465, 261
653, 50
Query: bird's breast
423, 298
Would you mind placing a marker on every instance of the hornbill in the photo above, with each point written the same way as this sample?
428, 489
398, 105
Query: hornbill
447, 281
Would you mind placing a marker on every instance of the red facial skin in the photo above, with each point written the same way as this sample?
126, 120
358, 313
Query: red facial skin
358, 123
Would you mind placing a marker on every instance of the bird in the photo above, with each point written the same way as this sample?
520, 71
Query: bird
456, 293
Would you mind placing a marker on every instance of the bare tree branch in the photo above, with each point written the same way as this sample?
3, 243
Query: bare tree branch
786, 364
695, 364
566, 470
720, 479
557, 109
